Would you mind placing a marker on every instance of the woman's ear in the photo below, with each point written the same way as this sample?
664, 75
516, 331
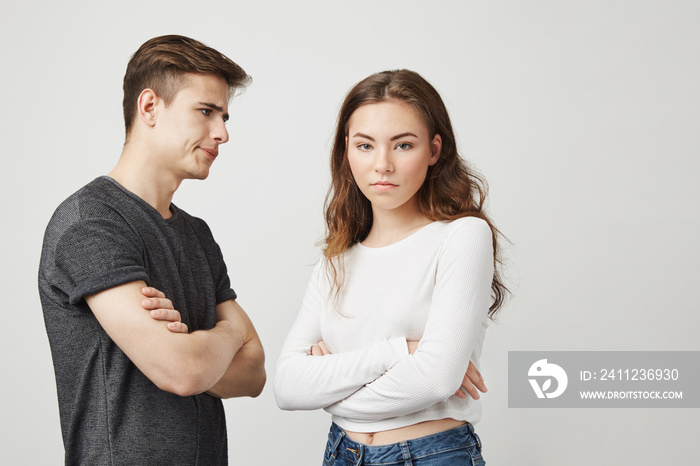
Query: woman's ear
146, 106
436, 149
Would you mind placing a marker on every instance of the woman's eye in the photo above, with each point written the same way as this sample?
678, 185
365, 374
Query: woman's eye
403, 146
364, 147
205, 111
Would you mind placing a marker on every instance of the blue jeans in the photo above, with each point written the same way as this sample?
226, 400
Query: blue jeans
454, 447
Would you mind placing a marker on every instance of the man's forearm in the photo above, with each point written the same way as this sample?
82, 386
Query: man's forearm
245, 375
205, 360
184, 364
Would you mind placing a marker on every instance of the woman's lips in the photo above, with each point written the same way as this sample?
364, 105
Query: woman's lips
383, 186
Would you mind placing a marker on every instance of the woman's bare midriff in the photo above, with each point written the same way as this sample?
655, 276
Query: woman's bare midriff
404, 433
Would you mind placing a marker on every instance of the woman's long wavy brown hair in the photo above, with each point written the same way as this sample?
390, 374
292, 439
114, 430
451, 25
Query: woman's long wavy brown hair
450, 190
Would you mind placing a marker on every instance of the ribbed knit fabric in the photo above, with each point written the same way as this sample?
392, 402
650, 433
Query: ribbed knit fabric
433, 286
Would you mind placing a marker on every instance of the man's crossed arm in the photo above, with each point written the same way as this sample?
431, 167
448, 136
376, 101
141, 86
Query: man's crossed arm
225, 361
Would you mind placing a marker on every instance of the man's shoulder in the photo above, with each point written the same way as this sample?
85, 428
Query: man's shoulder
73, 207
99, 199
97, 205
94, 193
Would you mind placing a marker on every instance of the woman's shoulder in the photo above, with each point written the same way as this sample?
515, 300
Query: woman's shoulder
469, 226
467, 233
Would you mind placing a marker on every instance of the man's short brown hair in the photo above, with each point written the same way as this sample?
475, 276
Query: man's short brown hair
161, 63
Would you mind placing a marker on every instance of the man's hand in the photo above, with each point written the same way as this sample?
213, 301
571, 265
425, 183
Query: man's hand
245, 375
471, 382
161, 308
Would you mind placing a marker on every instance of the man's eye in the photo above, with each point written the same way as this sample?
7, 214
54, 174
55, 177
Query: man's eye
403, 146
205, 111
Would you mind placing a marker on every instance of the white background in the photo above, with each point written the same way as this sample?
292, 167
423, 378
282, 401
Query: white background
582, 115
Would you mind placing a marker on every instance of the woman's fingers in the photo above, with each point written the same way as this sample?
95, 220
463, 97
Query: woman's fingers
324, 348
319, 349
472, 383
470, 389
475, 377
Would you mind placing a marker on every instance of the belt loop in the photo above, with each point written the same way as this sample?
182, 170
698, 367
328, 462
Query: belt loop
475, 435
337, 441
478, 441
406, 454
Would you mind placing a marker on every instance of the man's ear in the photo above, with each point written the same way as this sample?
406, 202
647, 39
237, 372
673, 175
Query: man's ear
147, 104
436, 149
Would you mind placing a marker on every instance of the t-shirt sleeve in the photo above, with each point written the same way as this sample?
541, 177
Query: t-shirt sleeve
459, 307
215, 257
96, 254
224, 292
309, 382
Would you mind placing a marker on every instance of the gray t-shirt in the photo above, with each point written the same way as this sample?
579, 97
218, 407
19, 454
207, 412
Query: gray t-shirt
100, 237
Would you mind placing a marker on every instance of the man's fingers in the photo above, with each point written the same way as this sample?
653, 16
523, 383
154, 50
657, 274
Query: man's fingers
157, 303
152, 292
168, 315
177, 327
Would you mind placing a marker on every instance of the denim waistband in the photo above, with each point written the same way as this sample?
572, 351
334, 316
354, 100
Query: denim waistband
358, 453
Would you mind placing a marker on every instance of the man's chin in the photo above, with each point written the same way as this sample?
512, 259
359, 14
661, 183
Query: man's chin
201, 174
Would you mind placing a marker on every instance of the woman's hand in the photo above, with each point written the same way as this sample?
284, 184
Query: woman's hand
161, 308
471, 382
319, 349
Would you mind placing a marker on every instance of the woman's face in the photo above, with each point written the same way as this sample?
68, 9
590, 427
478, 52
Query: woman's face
389, 152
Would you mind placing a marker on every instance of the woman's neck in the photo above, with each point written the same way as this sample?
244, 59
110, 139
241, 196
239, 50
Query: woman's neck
391, 226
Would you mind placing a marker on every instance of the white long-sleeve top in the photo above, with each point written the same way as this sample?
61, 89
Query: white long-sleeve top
433, 286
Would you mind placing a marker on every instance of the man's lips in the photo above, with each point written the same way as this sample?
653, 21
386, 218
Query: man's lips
211, 152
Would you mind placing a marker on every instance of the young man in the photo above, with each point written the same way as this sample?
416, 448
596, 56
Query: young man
139, 376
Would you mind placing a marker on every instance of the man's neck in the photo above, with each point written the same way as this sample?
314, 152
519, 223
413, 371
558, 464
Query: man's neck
136, 172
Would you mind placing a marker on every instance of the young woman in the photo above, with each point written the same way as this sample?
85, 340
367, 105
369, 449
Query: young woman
399, 304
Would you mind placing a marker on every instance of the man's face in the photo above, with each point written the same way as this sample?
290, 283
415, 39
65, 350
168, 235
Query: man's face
190, 129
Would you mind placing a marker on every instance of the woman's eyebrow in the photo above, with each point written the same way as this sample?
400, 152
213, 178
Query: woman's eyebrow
403, 135
362, 135
398, 136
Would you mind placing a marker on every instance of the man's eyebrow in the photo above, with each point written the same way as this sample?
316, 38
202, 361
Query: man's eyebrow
215, 107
